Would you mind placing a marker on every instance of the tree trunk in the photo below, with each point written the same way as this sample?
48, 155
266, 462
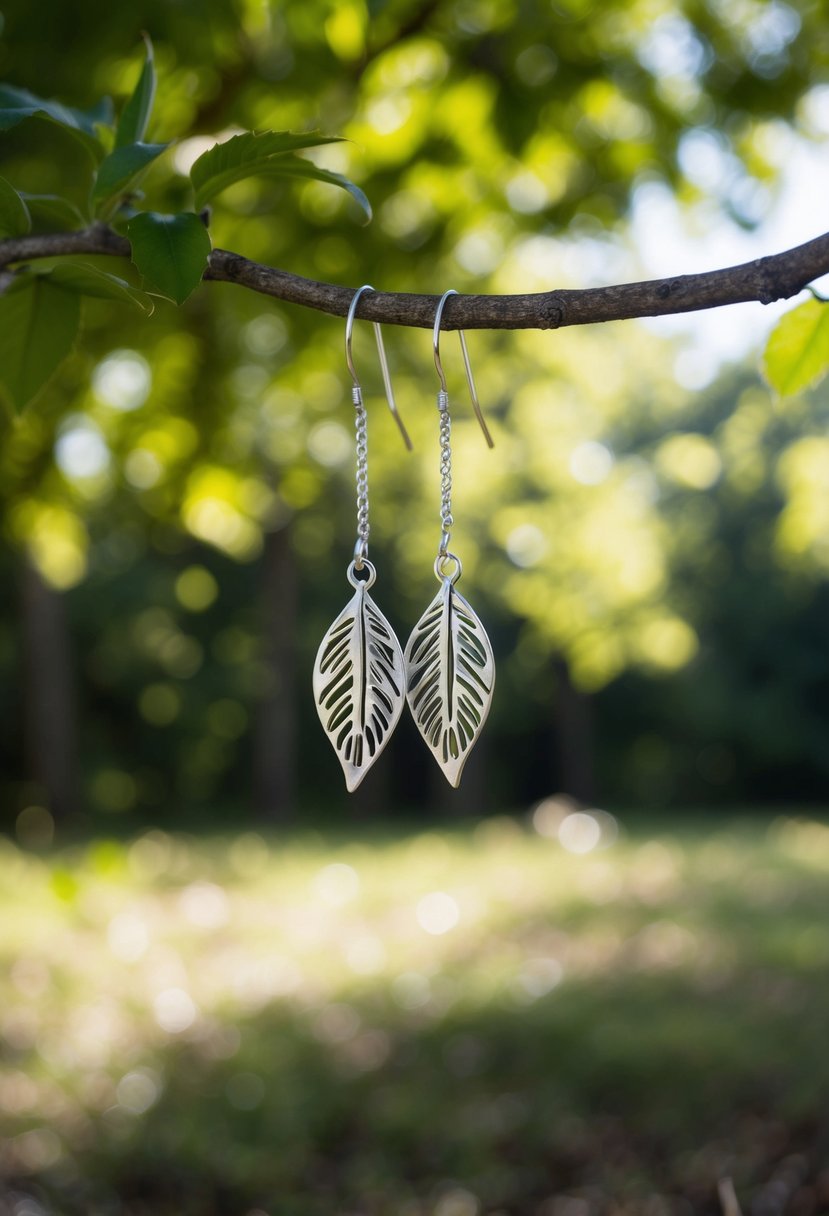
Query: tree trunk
48, 693
573, 724
275, 733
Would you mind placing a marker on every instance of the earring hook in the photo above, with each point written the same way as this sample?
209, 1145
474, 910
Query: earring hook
384, 365
470, 380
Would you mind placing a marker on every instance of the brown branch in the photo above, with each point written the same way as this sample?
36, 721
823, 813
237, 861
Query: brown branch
770, 278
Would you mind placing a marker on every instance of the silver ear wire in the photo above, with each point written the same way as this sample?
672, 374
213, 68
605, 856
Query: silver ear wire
384, 364
450, 667
470, 380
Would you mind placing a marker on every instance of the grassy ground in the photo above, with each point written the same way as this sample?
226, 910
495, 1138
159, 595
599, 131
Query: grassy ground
435, 1023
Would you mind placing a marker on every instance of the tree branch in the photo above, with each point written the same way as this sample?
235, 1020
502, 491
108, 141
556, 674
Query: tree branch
767, 279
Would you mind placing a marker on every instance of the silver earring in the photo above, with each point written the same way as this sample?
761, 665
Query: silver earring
450, 668
359, 672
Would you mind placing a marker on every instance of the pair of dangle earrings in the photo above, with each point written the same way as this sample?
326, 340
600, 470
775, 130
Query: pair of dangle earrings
447, 674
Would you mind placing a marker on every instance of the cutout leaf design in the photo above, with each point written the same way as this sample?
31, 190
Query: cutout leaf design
358, 684
450, 675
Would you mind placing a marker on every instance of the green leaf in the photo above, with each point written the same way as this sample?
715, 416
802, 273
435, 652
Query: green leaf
19, 104
121, 170
246, 156
797, 352
38, 324
88, 280
171, 251
14, 214
295, 166
58, 213
132, 125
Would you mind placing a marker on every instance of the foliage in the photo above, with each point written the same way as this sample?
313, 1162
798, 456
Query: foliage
797, 353
170, 251
477, 1020
658, 550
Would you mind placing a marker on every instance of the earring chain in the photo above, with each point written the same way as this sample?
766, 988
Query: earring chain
446, 517
361, 548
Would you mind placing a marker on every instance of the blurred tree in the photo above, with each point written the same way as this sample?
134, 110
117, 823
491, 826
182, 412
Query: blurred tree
176, 462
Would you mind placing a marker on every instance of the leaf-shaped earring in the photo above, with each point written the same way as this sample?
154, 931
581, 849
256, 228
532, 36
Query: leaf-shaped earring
450, 669
359, 673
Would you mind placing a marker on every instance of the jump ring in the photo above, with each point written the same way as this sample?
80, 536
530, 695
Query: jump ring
440, 567
371, 574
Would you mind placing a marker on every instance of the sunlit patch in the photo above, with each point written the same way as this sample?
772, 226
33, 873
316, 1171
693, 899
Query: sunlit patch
536, 65
256, 983
579, 832
330, 444
437, 913
336, 884
549, 814
526, 545
387, 114
526, 192
205, 905
457, 1202
30, 977
411, 990
80, 450
407, 214
265, 335
668, 643
480, 251
368, 1050
19, 1093
36, 1150
814, 110
196, 589
590, 463
56, 538
187, 151
245, 1090
89, 1037
150, 855
127, 936
600, 883
122, 380
663, 944
142, 468
248, 855
539, 976
221, 524
806, 840
365, 955
336, 1022
654, 875
137, 1091
690, 460
696, 368
174, 1010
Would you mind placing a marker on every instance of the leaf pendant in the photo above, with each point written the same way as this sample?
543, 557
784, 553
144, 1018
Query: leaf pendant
358, 683
450, 675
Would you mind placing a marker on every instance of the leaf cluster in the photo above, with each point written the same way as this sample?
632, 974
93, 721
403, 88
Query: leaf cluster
40, 311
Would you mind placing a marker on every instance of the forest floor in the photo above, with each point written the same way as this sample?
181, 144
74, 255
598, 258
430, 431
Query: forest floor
571, 1016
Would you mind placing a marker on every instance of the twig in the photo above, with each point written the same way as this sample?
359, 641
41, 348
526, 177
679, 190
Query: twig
769, 278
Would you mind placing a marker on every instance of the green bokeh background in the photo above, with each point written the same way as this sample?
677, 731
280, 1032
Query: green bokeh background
214, 997
649, 559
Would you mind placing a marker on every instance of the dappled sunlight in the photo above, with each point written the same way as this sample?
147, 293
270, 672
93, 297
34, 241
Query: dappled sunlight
174, 978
